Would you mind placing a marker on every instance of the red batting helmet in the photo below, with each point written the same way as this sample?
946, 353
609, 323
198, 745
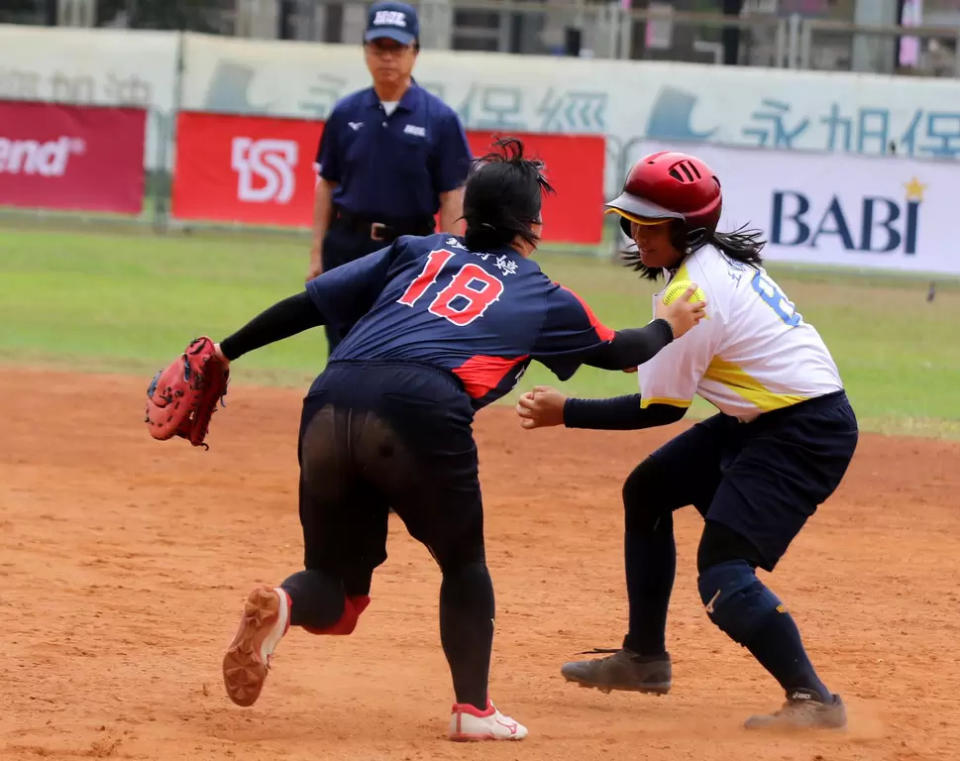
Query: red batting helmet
670, 185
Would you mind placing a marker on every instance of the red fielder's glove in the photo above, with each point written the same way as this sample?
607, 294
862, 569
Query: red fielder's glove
182, 398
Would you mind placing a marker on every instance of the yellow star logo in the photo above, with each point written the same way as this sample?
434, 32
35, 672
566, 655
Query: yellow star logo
915, 189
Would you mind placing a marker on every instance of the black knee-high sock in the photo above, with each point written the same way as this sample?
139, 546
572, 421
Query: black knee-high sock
466, 629
316, 598
777, 645
651, 564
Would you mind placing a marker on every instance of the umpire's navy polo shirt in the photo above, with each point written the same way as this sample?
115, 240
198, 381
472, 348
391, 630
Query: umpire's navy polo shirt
393, 167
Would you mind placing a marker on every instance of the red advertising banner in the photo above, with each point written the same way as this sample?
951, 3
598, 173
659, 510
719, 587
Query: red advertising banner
250, 169
574, 167
55, 156
260, 170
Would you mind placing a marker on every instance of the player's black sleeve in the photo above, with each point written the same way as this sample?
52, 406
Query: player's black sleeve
284, 319
621, 413
344, 294
631, 347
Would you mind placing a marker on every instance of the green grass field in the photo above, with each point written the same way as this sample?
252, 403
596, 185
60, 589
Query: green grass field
127, 302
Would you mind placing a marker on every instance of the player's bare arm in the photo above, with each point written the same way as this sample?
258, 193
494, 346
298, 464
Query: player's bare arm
322, 212
451, 211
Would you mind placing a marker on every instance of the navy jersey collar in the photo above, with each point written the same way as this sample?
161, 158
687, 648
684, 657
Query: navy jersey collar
411, 98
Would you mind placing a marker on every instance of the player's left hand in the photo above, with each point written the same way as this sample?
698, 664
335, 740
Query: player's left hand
541, 407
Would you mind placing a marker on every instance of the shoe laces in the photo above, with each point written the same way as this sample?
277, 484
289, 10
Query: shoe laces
791, 705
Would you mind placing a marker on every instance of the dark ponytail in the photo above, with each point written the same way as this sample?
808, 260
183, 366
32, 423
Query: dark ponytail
503, 197
742, 245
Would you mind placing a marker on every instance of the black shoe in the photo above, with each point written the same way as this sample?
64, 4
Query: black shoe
803, 710
623, 670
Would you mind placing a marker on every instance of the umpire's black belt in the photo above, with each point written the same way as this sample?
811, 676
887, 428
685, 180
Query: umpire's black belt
381, 229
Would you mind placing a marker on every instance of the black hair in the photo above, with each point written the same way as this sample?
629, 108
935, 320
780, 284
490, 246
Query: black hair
742, 245
503, 197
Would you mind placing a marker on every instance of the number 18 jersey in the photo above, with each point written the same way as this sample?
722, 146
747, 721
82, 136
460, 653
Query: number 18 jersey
481, 315
752, 354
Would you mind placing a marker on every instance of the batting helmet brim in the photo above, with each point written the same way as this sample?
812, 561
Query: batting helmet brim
653, 214
639, 210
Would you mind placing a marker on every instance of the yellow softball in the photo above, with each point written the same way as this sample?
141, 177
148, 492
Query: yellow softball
677, 288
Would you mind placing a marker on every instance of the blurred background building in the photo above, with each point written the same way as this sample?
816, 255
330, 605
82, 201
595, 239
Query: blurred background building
857, 35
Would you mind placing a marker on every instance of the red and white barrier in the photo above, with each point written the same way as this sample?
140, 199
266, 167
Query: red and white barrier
259, 170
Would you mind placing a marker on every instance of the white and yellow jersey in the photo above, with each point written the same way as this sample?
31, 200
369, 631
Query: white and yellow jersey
752, 354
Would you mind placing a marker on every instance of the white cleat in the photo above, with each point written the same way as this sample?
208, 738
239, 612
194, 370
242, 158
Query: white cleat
468, 723
266, 618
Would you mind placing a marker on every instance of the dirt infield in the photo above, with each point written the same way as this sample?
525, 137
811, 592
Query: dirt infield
124, 563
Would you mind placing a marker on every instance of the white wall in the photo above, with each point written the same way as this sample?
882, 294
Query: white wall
625, 100
802, 115
96, 66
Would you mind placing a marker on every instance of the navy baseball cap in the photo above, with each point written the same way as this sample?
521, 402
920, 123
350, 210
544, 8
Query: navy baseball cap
398, 21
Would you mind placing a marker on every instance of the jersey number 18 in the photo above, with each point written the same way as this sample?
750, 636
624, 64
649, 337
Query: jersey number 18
467, 296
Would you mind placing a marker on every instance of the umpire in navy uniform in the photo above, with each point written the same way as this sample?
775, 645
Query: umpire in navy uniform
391, 157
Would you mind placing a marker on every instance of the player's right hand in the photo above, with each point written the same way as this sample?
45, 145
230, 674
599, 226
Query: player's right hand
682, 313
541, 407
316, 264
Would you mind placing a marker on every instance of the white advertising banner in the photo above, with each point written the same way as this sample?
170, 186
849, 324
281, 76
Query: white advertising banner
102, 67
625, 100
839, 210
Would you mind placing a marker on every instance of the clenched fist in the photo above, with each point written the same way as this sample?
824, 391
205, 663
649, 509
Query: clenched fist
541, 407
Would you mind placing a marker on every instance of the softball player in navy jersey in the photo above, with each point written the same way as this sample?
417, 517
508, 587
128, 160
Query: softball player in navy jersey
443, 325
756, 471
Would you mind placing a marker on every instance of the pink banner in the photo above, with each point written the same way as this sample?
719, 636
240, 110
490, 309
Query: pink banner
56, 156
